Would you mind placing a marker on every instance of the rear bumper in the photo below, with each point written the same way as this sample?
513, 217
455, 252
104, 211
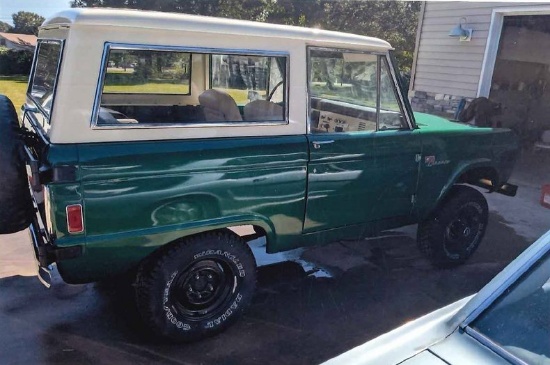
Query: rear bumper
45, 251
505, 189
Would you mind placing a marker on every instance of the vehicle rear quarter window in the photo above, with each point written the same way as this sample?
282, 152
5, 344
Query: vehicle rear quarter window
169, 86
44, 75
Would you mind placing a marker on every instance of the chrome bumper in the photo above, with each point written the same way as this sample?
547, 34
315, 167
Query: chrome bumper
46, 253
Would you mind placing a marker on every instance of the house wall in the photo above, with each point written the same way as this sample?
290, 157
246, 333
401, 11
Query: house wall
11, 45
447, 70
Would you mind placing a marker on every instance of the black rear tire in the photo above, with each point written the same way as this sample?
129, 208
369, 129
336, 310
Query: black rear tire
16, 208
453, 233
196, 287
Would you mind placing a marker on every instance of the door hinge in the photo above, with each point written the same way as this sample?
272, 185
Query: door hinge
418, 157
413, 199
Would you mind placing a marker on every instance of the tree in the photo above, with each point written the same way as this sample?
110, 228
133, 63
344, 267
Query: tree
5, 27
393, 21
25, 22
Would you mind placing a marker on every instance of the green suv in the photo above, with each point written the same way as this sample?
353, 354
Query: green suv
160, 144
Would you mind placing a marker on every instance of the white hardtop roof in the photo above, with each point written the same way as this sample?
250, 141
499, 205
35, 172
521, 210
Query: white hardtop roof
174, 21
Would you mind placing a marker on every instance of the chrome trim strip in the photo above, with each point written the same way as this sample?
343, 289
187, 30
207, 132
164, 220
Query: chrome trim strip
397, 89
204, 50
308, 93
406, 105
378, 89
493, 346
36, 126
99, 87
31, 79
187, 125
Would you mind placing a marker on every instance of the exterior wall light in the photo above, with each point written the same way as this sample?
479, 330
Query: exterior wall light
464, 34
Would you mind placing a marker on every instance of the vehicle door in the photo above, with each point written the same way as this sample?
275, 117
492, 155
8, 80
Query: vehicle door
364, 152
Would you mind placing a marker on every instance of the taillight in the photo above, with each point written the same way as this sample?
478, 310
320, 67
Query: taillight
75, 222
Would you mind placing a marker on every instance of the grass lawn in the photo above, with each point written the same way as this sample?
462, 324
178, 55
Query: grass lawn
15, 88
149, 88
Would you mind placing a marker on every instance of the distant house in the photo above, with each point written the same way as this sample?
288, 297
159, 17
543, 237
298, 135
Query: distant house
18, 42
507, 59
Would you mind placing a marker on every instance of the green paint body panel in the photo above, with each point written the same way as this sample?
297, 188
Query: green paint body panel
457, 148
139, 196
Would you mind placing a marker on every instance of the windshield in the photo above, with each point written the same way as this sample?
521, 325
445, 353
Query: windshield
43, 79
518, 320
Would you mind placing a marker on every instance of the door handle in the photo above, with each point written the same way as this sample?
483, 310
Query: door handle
317, 144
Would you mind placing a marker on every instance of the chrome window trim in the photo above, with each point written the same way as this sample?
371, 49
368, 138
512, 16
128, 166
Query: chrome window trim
190, 125
61, 42
493, 346
396, 90
35, 124
400, 97
378, 90
381, 56
204, 50
406, 105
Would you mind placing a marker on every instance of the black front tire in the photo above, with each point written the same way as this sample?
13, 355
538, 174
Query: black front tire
196, 287
453, 233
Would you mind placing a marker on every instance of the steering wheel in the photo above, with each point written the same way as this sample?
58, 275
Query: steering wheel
274, 89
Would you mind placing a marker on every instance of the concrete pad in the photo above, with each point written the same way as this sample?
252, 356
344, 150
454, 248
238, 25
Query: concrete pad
17, 255
523, 213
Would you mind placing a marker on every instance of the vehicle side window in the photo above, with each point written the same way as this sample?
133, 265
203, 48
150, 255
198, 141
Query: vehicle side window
44, 76
184, 87
147, 72
343, 92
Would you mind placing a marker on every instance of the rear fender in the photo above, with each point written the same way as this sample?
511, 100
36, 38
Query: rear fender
108, 255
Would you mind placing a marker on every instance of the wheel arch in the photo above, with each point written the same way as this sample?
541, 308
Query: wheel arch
479, 173
248, 227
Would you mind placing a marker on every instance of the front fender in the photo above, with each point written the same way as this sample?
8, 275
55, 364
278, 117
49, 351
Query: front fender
462, 168
430, 200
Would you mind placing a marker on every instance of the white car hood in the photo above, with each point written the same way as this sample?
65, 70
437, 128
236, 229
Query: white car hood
406, 341
424, 358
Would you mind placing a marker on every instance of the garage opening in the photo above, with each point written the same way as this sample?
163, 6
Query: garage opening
521, 78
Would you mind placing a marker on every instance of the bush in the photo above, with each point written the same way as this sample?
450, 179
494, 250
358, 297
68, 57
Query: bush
15, 62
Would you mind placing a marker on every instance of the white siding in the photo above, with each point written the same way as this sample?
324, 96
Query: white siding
444, 64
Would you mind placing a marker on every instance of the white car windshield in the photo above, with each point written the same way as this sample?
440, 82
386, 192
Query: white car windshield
519, 321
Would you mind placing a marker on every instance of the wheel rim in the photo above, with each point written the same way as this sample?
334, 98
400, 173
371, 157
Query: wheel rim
203, 288
462, 233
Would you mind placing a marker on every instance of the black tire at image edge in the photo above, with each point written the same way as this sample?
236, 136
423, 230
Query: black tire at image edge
16, 208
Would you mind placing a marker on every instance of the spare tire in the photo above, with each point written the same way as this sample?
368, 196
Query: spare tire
16, 208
